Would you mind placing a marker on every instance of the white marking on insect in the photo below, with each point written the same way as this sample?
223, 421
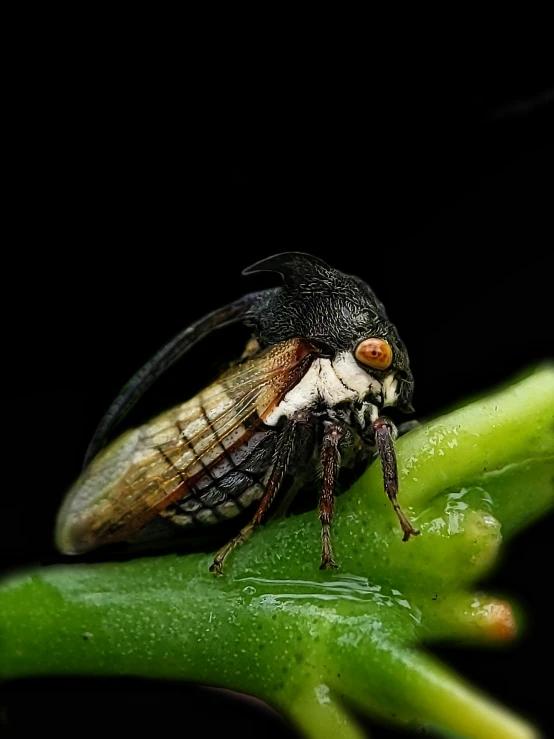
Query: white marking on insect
189, 505
373, 412
340, 381
229, 509
206, 516
254, 492
390, 394
182, 520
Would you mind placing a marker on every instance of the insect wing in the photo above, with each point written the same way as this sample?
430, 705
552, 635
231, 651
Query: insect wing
142, 472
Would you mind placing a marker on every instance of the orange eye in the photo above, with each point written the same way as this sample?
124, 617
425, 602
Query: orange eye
376, 353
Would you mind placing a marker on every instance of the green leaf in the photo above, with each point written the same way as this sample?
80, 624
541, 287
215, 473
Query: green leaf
309, 642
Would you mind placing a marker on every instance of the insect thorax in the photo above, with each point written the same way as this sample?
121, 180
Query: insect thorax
330, 383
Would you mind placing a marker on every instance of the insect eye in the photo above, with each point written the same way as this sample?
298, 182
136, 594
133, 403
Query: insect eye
376, 353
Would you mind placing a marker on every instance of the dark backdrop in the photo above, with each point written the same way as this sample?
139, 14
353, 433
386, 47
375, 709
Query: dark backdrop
137, 208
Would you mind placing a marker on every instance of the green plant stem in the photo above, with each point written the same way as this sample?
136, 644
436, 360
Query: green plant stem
306, 641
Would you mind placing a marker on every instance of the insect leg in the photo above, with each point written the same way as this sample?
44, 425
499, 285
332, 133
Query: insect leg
385, 446
330, 463
285, 448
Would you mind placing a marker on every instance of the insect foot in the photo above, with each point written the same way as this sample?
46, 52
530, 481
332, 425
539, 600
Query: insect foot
408, 529
328, 564
223, 553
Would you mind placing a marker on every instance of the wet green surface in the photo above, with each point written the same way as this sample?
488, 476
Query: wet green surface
278, 628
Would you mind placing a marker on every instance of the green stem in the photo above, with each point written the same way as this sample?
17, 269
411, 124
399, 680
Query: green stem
307, 641
425, 693
481, 437
319, 715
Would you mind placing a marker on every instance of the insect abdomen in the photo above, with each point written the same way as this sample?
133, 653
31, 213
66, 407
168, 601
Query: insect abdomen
195, 453
227, 488
224, 481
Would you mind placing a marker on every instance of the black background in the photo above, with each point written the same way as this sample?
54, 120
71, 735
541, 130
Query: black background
137, 205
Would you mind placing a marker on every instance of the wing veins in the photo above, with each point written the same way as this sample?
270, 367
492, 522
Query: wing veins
133, 505
181, 472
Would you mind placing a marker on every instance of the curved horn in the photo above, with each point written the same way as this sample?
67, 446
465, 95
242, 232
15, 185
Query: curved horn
161, 361
294, 266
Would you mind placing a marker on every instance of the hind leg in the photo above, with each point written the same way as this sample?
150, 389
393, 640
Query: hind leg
287, 446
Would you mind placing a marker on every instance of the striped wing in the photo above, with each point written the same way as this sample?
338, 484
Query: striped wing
148, 468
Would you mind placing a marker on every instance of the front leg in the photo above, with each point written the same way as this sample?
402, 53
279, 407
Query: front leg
384, 441
380, 432
330, 463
